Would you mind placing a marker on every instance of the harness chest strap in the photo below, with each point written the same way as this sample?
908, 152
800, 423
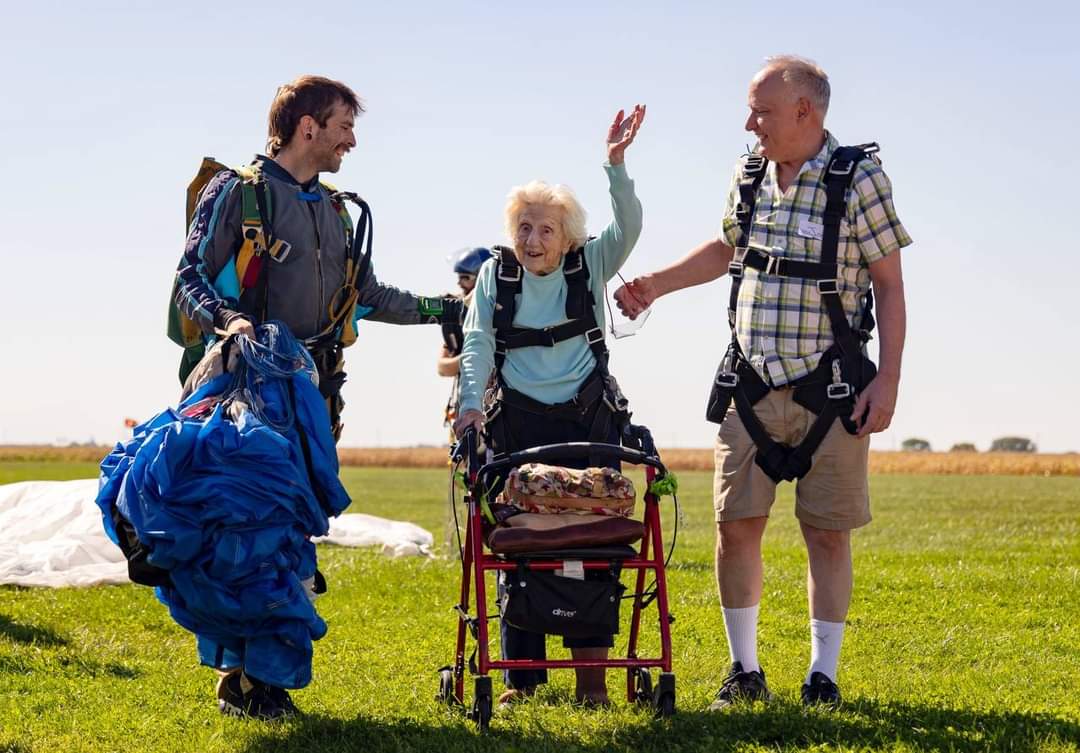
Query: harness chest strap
579, 310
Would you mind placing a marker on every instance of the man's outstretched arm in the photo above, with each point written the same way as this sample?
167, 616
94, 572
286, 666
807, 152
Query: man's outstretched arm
705, 263
392, 305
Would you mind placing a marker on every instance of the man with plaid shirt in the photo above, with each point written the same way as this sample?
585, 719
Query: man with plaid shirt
783, 330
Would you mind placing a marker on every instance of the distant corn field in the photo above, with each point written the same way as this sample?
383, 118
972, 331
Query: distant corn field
951, 463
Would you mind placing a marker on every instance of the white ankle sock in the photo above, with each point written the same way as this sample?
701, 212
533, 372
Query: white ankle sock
741, 627
825, 640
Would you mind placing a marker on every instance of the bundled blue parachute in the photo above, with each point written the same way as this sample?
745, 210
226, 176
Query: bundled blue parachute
217, 500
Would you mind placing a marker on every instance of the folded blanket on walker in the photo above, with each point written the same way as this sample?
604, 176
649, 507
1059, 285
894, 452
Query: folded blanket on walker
540, 488
565, 508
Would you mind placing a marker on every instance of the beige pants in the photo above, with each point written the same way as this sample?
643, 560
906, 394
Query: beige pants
832, 496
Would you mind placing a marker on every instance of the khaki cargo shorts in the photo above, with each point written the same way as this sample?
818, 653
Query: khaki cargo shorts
834, 495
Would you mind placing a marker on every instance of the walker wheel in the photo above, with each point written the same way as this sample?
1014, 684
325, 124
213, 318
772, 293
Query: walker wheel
643, 687
482, 704
664, 695
446, 688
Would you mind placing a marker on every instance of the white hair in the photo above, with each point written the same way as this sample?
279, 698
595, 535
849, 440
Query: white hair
539, 192
804, 76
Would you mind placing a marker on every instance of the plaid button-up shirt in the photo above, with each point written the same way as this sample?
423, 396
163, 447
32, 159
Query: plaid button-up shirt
781, 322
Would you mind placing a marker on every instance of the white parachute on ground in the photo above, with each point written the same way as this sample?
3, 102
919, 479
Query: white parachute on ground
51, 536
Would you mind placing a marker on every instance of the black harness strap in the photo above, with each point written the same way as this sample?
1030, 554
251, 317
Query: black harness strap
592, 399
772, 265
508, 277
548, 336
572, 410
579, 299
837, 177
753, 172
262, 285
363, 236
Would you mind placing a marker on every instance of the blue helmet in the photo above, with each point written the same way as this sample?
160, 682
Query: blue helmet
468, 260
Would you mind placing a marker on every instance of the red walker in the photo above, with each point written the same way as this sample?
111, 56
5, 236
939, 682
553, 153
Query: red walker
475, 562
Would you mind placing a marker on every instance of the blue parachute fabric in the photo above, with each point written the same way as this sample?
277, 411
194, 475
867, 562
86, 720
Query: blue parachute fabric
219, 492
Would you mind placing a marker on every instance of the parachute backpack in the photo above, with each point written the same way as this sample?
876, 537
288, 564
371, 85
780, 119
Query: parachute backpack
257, 241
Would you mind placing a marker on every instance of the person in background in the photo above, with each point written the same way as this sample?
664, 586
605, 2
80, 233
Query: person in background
467, 263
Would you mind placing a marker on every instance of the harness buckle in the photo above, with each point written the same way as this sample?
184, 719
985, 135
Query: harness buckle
827, 287
502, 272
841, 167
500, 347
594, 335
579, 257
754, 164
772, 266
727, 379
840, 391
742, 212
735, 269
550, 338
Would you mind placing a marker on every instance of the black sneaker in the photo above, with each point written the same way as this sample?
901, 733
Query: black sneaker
260, 701
821, 691
741, 686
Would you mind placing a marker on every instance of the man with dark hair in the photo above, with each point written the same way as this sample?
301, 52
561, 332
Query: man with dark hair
809, 226
314, 96
269, 241
304, 269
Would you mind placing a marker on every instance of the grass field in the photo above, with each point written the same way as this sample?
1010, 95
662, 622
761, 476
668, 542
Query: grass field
964, 635
681, 459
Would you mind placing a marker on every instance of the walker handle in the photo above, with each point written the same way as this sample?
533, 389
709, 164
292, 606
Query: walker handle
466, 449
573, 450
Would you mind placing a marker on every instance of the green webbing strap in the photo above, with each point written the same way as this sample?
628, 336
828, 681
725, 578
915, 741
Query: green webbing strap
248, 201
665, 486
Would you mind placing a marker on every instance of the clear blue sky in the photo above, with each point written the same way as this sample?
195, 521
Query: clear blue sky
109, 107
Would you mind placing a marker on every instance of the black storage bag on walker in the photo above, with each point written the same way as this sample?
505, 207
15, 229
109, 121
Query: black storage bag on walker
543, 602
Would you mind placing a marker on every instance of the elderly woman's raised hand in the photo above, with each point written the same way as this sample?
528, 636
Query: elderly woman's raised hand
622, 132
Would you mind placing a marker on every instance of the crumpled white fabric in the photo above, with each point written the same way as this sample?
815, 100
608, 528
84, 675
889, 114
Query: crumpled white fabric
51, 536
397, 538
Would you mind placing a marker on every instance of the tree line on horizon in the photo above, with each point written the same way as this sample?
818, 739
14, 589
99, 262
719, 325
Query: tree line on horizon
1001, 444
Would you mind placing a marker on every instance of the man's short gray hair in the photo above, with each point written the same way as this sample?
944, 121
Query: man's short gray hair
805, 76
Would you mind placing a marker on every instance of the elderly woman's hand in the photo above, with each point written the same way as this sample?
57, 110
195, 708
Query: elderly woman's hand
470, 418
622, 132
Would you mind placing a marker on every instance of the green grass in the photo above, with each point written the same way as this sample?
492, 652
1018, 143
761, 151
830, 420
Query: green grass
964, 635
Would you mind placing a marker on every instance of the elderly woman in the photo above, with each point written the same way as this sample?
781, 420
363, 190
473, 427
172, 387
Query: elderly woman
538, 319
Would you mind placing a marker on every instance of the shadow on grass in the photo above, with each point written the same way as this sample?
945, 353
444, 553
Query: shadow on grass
21, 633
861, 724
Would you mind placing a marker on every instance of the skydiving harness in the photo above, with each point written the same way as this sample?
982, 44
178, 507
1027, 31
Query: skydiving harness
252, 272
599, 387
831, 389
